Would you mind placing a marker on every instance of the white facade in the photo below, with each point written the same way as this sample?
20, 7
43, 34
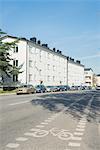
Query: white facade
98, 80
75, 74
88, 72
43, 65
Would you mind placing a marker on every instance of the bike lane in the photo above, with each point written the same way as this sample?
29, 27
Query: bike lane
53, 133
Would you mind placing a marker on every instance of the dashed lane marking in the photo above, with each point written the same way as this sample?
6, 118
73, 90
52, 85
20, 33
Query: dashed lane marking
74, 144
19, 103
12, 145
48, 120
76, 138
80, 126
99, 128
29, 134
44, 123
78, 133
82, 123
78, 129
40, 126
22, 139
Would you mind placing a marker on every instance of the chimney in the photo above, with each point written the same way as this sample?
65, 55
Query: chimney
33, 39
78, 61
45, 45
39, 42
54, 49
58, 51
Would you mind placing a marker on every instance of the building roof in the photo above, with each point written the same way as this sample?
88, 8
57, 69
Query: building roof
47, 48
88, 69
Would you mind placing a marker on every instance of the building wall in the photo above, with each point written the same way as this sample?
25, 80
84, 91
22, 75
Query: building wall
20, 56
43, 65
75, 74
98, 80
46, 66
88, 77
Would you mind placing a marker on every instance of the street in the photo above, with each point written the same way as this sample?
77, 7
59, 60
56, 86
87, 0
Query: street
55, 121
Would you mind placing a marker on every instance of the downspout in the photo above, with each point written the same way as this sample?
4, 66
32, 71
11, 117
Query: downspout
26, 63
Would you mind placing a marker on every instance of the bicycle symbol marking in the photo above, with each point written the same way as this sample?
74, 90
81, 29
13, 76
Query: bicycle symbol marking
60, 133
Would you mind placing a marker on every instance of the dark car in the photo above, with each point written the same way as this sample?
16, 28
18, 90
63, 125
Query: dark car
66, 87
40, 89
61, 88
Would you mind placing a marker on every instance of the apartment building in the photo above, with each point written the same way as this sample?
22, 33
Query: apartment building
75, 73
97, 77
89, 75
40, 64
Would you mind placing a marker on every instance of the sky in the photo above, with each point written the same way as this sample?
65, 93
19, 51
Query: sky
72, 26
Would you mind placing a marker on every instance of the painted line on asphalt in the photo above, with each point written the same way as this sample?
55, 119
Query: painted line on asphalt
29, 134
22, 139
74, 144
45, 123
12, 145
80, 126
99, 128
78, 133
48, 120
76, 138
19, 103
78, 129
40, 126
82, 123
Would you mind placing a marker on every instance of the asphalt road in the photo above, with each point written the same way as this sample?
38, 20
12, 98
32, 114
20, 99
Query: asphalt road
60, 121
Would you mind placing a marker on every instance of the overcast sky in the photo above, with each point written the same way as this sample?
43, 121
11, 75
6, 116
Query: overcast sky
72, 26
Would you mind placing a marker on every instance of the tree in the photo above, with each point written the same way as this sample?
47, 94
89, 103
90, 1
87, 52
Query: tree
6, 68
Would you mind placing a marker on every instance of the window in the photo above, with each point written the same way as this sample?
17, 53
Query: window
30, 77
53, 68
48, 66
16, 49
40, 72
15, 63
30, 63
15, 78
48, 55
48, 78
53, 78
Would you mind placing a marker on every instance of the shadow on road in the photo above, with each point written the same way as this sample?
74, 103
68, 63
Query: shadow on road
58, 102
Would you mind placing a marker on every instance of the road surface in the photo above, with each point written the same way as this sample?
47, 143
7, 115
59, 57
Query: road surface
58, 121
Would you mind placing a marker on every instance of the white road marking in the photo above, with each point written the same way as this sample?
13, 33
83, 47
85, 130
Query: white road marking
19, 103
82, 123
78, 133
12, 145
39, 126
83, 120
29, 134
74, 144
44, 123
78, 129
51, 118
80, 126
22, 139
76, 138
48, 120
99, 128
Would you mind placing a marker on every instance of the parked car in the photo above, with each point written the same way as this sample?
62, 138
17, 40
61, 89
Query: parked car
61, 88
40, 88
25, 89
98, 87
66, 87
74, 88
49, 88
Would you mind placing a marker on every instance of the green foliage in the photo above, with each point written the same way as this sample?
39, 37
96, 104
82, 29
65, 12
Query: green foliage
6, 68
